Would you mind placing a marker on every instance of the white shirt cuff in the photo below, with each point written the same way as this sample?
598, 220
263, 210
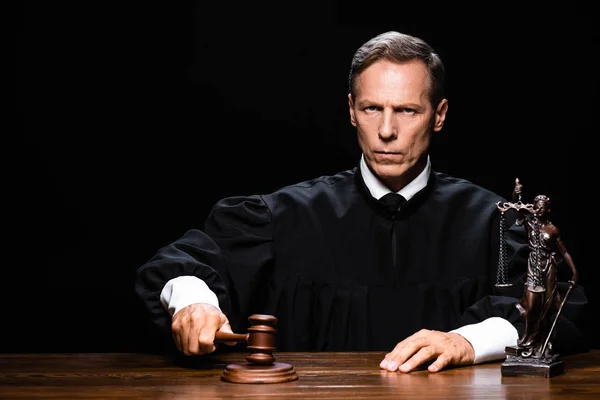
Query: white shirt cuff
489, 338
182, 291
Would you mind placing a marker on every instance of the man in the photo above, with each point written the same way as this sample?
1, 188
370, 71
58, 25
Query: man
340, 265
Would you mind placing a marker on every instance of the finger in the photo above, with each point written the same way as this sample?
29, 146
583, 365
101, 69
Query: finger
177, 331
183, 332
404, 350
440, 363
177, 341
192, 330
206, 336
226, 327
391, 362
420, 357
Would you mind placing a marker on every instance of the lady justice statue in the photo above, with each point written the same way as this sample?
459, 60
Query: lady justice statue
541, 302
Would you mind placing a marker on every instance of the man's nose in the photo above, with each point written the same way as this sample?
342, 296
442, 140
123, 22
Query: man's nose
387, 129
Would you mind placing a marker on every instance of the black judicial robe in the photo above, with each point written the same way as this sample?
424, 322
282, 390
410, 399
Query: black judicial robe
318, 256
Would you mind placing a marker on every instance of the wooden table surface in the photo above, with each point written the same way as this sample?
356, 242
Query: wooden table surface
321, 375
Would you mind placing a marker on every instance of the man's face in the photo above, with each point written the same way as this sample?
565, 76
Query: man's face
394, 118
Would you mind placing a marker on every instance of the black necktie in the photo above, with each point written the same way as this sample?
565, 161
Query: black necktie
393, 202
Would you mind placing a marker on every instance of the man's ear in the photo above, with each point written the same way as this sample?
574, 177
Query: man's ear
352, 114
440, 115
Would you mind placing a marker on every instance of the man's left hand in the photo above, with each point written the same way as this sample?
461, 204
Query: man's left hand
444, 349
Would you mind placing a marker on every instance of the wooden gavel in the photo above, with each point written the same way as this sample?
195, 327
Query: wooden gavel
260, 339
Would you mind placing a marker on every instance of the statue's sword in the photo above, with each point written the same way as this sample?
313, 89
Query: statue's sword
571, 285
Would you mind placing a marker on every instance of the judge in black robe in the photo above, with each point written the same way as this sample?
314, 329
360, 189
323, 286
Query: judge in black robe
337, 268
341, 272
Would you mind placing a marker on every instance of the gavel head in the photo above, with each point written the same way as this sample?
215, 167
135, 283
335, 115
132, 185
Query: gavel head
261, 339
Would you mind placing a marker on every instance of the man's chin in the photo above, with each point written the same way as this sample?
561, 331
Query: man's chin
389, 170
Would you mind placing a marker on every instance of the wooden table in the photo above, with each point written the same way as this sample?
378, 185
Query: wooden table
321, 375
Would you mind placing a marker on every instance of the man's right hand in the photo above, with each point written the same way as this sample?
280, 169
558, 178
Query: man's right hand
194, 328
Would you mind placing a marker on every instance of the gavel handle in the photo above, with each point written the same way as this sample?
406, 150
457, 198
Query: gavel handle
221, 337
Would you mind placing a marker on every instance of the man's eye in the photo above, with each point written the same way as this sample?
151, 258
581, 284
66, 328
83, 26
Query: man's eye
371, 108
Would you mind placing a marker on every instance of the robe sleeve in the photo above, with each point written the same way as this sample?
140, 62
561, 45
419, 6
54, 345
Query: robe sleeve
229, 255
243, 229
194, 254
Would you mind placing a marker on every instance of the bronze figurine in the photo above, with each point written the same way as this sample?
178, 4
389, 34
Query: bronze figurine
541, 303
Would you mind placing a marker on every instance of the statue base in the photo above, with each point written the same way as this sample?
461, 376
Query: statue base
519, 362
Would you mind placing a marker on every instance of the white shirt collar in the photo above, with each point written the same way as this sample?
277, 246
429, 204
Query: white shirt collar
378, 189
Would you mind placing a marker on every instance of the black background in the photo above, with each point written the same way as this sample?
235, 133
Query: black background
133, 118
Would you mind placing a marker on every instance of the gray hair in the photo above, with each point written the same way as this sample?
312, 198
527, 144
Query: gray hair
399, 47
